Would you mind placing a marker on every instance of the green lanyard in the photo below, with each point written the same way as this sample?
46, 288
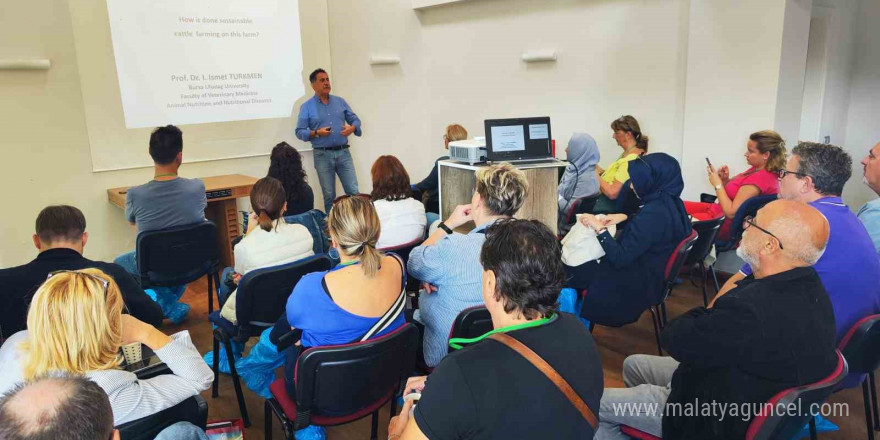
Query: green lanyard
456, 343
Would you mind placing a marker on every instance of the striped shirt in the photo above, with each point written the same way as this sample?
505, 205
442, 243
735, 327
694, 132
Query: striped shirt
453, 265
130, 398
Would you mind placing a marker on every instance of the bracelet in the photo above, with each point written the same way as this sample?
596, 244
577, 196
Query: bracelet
444, 228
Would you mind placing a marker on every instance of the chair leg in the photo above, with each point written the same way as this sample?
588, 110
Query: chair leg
715, 277
267, 421
210, 293
216, 368
874, 401
656, 318
813, 428
374, 432
868, 422
705, 278
237, 383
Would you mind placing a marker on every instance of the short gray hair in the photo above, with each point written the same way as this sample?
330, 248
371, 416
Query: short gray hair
794, 234
829, 166
503, 188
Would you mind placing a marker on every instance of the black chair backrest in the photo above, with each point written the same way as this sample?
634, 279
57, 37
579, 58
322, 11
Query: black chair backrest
861, 345
403, 250
779, 424
471, 323
707, 230
341, 380
193, 410
749, 207
262, 293
178, 255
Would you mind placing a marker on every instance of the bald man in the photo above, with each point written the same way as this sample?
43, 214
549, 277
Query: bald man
870, 213
68, 407
774, 330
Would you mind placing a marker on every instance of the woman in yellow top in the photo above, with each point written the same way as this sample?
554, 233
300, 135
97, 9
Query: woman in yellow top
629, 137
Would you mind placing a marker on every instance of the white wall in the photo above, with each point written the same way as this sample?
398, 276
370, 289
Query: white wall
814, 81
792, 66
45, 141
460, 63
863, 129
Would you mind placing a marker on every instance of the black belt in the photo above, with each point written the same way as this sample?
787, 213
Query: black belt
340, 147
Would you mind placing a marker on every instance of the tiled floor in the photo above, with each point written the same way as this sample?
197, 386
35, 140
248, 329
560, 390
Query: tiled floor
614, 345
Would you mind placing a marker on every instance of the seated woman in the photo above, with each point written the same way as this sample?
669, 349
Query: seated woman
402, 217
765, 154
628, 279
487, 390
269, 241
579, 179
75, 325
430, 185
449, 263
361, 298
629, 137
285, 164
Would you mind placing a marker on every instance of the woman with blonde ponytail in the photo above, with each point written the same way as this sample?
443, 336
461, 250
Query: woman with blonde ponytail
765, 155
75, 325
361, 298
269, 241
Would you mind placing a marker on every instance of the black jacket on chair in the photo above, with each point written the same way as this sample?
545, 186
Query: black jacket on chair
762, 337
18, 285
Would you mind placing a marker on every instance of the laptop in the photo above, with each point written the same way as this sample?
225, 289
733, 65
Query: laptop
519, 140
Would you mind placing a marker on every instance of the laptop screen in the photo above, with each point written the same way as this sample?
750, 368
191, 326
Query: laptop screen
517, 139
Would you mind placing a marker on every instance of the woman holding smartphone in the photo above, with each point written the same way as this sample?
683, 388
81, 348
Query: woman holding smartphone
765, 154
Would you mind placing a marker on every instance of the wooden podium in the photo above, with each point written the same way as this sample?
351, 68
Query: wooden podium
221, 192
457, 182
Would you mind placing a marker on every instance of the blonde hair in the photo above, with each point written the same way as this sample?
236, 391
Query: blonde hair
354, 225
502, 187
769, 141
455, 132
73, 326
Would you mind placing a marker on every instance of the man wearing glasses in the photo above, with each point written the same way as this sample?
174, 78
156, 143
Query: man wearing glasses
774, 330
870, 213
849, 268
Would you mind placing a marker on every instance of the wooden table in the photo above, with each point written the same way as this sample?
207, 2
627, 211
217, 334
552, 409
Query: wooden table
457, 182
221, 192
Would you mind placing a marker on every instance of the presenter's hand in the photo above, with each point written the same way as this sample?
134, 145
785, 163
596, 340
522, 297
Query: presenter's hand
348, 129
321, 132
460, 216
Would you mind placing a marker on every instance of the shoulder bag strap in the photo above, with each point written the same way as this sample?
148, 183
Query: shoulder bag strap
551, 374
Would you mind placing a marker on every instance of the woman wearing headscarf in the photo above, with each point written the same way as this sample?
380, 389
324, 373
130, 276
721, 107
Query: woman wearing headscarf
580, 179
628, 279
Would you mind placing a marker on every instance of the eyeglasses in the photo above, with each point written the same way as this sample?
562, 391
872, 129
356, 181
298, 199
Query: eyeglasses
750, 221
103, 282
781, 174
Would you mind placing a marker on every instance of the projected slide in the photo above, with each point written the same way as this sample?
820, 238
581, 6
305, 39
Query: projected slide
195, 61
508, 138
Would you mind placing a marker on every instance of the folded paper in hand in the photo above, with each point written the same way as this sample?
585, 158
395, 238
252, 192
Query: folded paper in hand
581, 245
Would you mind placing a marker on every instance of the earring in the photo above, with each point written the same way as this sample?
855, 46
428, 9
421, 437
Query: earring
333, 253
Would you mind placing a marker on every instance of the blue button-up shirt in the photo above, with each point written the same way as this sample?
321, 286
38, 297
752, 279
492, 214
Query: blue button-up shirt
870, 216
314, 114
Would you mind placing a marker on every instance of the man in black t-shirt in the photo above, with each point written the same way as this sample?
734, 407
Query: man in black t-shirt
488, 390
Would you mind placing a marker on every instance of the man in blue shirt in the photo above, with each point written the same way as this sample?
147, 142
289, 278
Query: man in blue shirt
870, 213
849, 268
326, 121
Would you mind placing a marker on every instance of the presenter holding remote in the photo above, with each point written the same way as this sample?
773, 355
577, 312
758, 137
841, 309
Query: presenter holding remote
326, 121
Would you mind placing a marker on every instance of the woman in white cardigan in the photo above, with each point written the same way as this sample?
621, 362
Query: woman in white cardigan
269, 241
75, 325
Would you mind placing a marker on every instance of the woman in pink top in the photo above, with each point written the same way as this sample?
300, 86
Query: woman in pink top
765, 154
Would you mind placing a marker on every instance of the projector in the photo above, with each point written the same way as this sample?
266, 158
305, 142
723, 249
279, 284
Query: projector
471, 151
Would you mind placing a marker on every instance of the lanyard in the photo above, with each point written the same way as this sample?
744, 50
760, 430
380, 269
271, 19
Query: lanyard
344, 265
456, 343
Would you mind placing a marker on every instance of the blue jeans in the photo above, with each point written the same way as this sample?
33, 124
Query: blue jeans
329, 164
182, 431
128, 261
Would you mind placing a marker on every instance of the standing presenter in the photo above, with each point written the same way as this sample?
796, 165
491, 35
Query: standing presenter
326, 121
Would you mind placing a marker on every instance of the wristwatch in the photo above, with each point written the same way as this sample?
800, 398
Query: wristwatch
717, 187
444, 228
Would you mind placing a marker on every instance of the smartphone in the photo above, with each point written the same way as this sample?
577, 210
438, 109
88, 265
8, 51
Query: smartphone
707, 161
